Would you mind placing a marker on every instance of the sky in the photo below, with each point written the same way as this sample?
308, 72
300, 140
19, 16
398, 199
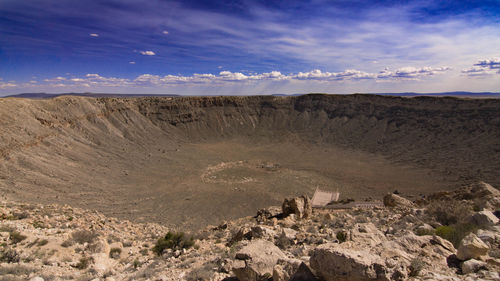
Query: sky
239, 47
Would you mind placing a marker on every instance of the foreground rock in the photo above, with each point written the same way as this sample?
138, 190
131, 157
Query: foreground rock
471, 247
371, 243
256, 259
333, 263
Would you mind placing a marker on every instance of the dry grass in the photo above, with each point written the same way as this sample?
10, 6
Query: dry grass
84, 236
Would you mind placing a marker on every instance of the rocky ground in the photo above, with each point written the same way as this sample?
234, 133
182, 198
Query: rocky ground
444, 236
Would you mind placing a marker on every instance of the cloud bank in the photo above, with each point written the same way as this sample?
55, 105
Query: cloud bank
227, 77
483, 68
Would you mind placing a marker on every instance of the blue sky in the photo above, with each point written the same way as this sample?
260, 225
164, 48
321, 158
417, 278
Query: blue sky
248, 47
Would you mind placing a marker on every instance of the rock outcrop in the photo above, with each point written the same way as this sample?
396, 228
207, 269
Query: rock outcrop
396, 201
299, 206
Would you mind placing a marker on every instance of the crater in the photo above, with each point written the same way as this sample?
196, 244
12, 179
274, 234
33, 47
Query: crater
193, 161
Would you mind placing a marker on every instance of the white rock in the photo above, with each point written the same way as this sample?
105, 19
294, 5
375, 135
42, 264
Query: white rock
483, 218
471, 247
472, 265
395, 201
37, 278
257, 258
334, 263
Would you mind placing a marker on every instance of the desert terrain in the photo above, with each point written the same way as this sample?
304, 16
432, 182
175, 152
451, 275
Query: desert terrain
187, 162
218, 188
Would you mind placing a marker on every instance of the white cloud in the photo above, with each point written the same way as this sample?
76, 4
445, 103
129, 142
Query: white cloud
228, 78
483, 68
131, 62
412, 72
349, 74
165, 32
5, 85
94, 35
228, 82
493, 63
147, 53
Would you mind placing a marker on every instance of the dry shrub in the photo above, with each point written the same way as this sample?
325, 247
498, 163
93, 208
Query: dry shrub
9, 255
416, 265
83, 263
449, 212
174, 241
114, 253
16, 237
83, 236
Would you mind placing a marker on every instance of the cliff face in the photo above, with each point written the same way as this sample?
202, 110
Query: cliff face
456, 136
87, 150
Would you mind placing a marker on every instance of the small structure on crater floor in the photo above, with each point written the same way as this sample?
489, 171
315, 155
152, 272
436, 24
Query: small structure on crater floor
322, 198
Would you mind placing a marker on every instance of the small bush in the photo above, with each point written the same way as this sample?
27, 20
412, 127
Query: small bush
83, 263
455, 233
114, 253
416, 265
136, 263
449, 212
67, 243
43, 242
18, 216
16, 237
174, 241
83, 236
9, 255
341, 236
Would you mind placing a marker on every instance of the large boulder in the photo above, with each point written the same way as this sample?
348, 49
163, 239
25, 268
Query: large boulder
471, 247
395, 201
256, 259
472, 266
334, 263
300, 206
483, 218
